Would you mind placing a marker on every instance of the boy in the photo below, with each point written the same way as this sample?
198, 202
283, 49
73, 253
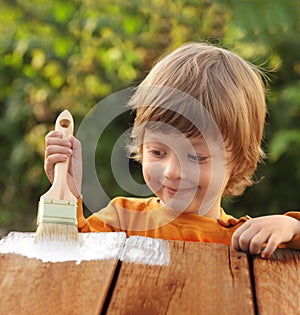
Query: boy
199, 124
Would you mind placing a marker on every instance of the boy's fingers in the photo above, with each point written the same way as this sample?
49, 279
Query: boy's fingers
235, 241
272, 244
245, 242
242, 242
58, 141
56, 138
256, 243
250, 239
54, 133
57, 150
54, 158
242, 237
236, 236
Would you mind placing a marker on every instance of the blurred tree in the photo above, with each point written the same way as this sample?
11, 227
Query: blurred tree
72, 54
268, 32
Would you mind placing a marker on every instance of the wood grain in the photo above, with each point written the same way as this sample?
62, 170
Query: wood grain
202, 278
29, 286
277, 282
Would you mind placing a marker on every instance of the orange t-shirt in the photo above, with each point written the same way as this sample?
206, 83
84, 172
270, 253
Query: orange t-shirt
146, 217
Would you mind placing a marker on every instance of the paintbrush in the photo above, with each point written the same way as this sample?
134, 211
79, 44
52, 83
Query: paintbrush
57, 220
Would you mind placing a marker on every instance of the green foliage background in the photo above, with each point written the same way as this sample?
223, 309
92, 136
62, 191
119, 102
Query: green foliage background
72, 54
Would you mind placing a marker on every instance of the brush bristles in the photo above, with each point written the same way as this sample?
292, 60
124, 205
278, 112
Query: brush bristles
47, 232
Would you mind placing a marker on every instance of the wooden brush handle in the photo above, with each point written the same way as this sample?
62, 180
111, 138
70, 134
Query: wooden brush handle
65, 124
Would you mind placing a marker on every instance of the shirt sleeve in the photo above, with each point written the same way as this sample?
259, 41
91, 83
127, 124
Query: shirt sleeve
92, 223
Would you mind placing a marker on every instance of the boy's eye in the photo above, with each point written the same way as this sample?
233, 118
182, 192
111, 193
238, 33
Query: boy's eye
157, 153
197, 158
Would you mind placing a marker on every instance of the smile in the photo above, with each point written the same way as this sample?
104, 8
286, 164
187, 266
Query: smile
176, 191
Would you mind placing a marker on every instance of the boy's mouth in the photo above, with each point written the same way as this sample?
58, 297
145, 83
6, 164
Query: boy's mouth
177, 191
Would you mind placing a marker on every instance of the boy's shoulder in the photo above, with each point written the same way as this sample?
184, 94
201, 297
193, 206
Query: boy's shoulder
228, 220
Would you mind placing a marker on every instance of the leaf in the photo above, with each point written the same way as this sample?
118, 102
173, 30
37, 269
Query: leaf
281, 142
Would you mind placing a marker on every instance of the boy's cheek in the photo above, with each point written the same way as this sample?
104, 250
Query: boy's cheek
152, 172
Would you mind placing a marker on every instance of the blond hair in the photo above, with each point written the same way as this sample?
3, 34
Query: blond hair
230, 89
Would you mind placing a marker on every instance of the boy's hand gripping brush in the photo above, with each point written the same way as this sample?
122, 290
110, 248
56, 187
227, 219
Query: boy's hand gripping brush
57, 220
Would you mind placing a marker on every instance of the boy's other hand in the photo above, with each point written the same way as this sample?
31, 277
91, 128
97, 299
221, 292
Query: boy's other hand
58, 150
270, 230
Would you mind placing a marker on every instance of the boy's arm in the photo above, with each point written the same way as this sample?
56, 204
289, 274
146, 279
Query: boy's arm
271, 230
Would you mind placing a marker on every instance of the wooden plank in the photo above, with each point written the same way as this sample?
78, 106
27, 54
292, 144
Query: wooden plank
277, 282
31, 286
201, 278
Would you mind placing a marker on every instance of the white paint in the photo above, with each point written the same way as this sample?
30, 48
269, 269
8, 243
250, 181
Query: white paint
146, 251
91, 246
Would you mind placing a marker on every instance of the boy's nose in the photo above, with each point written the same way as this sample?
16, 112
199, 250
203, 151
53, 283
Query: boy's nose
173, 168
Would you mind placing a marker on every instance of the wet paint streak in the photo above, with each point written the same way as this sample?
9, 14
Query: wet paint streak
146, 251
91, 246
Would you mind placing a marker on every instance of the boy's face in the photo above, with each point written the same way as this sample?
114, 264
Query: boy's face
187, 174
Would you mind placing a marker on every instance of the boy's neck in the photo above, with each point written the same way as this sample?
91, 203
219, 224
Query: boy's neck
214, 212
